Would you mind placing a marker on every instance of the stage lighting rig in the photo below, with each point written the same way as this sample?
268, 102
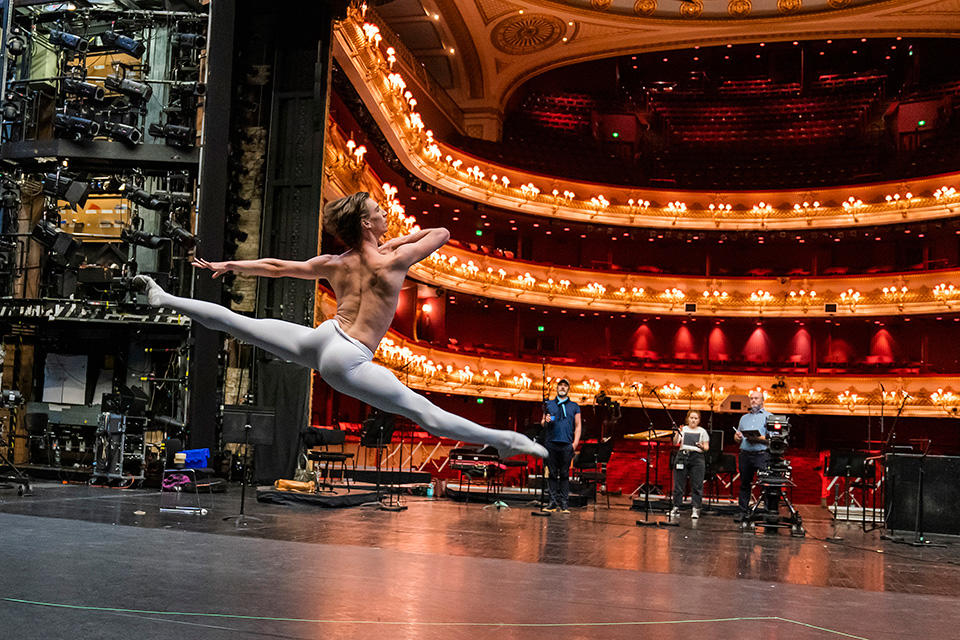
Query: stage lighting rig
70, 41
16, 43
131, 88
11, 108
141, 197
195, 89
178, 234
174, 199
174, 135
123, 132
76, 128
83, 89
9, 194
62, 247
137, 236
64, 187
126, 44
188, 40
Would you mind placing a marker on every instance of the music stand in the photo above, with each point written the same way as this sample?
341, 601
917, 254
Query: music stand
247, 425
378, 432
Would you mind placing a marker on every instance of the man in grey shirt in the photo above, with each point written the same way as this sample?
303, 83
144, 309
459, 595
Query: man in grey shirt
754, 452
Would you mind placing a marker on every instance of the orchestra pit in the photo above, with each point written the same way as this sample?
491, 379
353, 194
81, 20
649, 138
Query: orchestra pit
488, 318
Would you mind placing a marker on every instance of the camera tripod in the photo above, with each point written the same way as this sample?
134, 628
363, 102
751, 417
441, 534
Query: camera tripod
773, 484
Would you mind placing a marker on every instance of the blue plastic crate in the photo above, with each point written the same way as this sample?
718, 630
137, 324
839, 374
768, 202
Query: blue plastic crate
197, 458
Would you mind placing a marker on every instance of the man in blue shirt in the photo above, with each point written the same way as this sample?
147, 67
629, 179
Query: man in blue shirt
754, 453
562, 419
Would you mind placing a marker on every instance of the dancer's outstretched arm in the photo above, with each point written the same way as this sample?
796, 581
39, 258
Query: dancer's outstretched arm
429, 240
312, 269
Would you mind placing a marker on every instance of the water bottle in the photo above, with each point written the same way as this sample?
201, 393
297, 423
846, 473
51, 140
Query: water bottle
430, 490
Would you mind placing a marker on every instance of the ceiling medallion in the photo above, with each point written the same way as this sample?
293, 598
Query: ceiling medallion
527, 33
789, 6
644, 7
600, 4
739, 8
691, 9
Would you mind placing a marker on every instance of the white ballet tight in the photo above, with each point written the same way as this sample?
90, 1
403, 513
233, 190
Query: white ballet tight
347, 365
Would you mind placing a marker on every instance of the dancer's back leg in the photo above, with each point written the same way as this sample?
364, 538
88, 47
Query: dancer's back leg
284, 339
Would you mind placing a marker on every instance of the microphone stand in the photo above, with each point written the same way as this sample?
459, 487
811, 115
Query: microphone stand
646, 522
543, 463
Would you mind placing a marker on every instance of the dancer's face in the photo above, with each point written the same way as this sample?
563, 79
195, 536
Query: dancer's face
563, 389
376, 219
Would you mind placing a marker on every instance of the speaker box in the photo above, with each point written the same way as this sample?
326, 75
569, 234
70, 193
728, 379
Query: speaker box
941, 493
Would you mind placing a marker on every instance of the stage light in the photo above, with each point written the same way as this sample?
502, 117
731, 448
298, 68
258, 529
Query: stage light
174, 134
174, 199
76, 127
188, 88
178, 234
126, 86
124, 43
16, 43
141, 238
142, 198
69, 41
123, 132
9, 195
11, 108
83, 89
64, 187
194, 40
61, 246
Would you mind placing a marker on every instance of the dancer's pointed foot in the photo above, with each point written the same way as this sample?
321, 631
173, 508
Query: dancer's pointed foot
148, 286
518, 444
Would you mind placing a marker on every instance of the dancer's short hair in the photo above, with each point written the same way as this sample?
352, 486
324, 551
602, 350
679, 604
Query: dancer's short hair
341, 217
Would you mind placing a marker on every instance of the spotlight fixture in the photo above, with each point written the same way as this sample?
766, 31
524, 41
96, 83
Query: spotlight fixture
16, 43
76, 127
175, 135
141, 238
126, 86
61, 246
188, 88
140, 197
123, 132
124, 43
59, 38
174, 199
63, 187
11, 107
83, 89
194, 40
178, 234
9, 195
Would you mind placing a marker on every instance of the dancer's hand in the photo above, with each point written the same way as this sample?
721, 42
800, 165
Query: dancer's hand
218, 268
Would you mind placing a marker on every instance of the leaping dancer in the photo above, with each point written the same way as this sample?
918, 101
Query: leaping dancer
366, 280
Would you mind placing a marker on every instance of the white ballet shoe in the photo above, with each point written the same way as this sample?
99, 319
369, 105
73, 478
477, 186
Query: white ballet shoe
147, 285
520, 445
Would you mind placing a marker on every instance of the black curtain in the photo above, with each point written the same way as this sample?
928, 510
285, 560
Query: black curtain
285, 387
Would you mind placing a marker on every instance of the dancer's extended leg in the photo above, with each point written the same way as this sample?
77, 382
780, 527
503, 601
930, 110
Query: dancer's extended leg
284, 339
378, 387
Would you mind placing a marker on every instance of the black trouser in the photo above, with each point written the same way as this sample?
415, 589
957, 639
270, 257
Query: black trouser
694, 466
558, 462
750, 463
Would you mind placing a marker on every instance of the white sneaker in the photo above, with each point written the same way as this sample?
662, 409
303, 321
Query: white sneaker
695, 514
674, 513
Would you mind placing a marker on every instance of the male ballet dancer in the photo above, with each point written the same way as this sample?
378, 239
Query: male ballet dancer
366, 280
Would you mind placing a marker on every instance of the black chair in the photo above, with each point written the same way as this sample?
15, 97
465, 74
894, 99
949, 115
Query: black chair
325, 459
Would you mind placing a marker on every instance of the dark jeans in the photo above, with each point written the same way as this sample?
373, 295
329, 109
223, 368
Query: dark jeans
694, 466
750, 463
558, 462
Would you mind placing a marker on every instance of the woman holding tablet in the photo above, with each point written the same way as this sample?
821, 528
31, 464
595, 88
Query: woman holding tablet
693, 441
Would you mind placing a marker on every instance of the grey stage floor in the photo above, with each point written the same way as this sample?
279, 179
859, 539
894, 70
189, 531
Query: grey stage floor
81, 562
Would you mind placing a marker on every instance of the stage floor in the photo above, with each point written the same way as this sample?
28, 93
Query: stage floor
82, 562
